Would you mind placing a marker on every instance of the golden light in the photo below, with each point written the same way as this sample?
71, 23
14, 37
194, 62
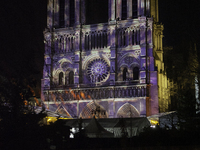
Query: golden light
89, 96
154, 122
82, 95
25, 102
53, 119
78, 97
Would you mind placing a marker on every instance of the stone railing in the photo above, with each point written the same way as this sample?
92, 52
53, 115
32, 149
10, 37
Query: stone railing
96, 93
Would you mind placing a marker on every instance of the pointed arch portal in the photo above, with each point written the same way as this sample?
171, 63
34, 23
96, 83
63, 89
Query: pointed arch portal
91, 109
128, 111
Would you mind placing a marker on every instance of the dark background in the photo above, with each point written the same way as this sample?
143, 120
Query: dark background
23, 22
181, 20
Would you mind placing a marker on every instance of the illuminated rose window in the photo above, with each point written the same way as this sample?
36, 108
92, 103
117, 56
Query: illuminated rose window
98, 70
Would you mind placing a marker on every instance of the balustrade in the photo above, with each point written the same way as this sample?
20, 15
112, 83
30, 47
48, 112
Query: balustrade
96, 93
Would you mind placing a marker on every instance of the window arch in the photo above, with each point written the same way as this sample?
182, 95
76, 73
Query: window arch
60, 78
136, 73
124, 73
71, 77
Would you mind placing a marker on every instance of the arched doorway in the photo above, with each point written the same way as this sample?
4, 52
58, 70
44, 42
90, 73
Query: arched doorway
93, 109
127, 111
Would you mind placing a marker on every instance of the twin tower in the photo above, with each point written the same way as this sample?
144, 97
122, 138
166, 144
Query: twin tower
104, 58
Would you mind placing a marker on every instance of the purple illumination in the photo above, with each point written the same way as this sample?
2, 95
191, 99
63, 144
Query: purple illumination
96, 55
98, 70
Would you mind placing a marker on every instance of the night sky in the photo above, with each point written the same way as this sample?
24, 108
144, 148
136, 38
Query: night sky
23, 22
21, 38
181, 20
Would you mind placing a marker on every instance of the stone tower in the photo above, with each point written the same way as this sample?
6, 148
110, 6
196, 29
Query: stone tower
102, 58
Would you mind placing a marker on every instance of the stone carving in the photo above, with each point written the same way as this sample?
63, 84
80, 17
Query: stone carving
97, 70
100, 93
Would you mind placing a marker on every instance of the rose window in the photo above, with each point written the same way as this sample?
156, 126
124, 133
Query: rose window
98, 70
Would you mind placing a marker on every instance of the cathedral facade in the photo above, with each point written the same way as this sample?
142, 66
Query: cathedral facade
103, 58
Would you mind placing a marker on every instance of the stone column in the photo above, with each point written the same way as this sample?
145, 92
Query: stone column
142, 35
89, 41
130, 37
126, 37
69, 43
95, 37
111, 10
129, 9
101, 46
76, 74
148, 8
138, 36
120, 37
142, 7
64, 44
77, 41
111, 36
83, 41
119, 9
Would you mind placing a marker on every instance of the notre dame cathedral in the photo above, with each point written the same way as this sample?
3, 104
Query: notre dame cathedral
104, 58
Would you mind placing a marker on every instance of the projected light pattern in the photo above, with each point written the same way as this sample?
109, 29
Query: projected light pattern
98, 70
109, 61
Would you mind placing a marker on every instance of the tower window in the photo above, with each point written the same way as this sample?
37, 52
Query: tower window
124, 9
60, 78
72, 13
94, 13
62, 13
134, 8
136, 73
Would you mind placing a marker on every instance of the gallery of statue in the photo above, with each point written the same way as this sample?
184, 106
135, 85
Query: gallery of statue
104, 58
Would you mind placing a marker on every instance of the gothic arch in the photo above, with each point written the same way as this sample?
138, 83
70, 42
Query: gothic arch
89, 110
69, 76
63, 111
120, 70
56, 76
135, 57
95, 56
130, 61
127, 111
64, 60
